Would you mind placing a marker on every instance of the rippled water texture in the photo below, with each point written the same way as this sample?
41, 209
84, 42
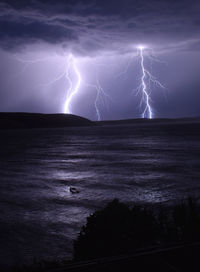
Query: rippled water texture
39, 217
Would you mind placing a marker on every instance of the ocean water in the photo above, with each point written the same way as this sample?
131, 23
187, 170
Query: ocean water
141, 163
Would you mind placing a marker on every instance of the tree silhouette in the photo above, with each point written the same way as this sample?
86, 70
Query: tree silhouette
118, 229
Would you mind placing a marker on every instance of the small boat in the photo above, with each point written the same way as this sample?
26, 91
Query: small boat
73, 190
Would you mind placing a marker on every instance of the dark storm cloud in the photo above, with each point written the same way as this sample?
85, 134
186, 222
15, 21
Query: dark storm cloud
90, 25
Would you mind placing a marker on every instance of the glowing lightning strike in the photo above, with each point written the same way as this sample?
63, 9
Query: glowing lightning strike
72, 91
71, 64
98, 96
101, 96
71, 73
66, 73
146, 79
147, 111
28, 63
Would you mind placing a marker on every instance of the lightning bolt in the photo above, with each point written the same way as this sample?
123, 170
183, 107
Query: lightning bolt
101, 96
145, 95
70, 72
145, 86
71, 65
73, 90
27, 63
125, 71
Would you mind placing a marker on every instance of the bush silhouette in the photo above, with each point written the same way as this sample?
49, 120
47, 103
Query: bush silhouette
114, 230
119, 229
186, 219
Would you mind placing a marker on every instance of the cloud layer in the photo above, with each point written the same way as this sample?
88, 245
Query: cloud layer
92, 26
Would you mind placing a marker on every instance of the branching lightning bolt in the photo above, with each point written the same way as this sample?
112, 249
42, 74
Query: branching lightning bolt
101, 96
145, 95
28, 62
66, 72
145, 86
71, 73
71, 64
72, 91
73, 76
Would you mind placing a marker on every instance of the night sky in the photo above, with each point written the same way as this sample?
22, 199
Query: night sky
37, 37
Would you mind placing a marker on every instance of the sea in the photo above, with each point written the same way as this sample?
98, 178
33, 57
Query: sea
140, 162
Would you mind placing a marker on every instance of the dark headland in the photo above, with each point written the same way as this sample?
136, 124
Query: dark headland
21, 120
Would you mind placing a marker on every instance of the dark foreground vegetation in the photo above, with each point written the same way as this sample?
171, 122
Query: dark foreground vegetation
136, 238
119, 229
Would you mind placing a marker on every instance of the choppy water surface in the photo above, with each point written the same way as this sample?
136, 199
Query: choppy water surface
39, 217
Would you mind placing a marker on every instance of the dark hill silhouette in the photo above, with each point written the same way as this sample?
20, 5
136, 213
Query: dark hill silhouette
16, 120
150, 121
13, 120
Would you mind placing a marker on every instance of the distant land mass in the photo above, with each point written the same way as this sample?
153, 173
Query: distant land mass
11, 120
150, 121
23, 120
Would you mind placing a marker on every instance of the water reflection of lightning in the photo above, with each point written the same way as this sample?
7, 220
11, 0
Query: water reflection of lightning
145, 86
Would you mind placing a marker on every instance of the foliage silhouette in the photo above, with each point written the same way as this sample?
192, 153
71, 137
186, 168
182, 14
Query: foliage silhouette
120, 229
